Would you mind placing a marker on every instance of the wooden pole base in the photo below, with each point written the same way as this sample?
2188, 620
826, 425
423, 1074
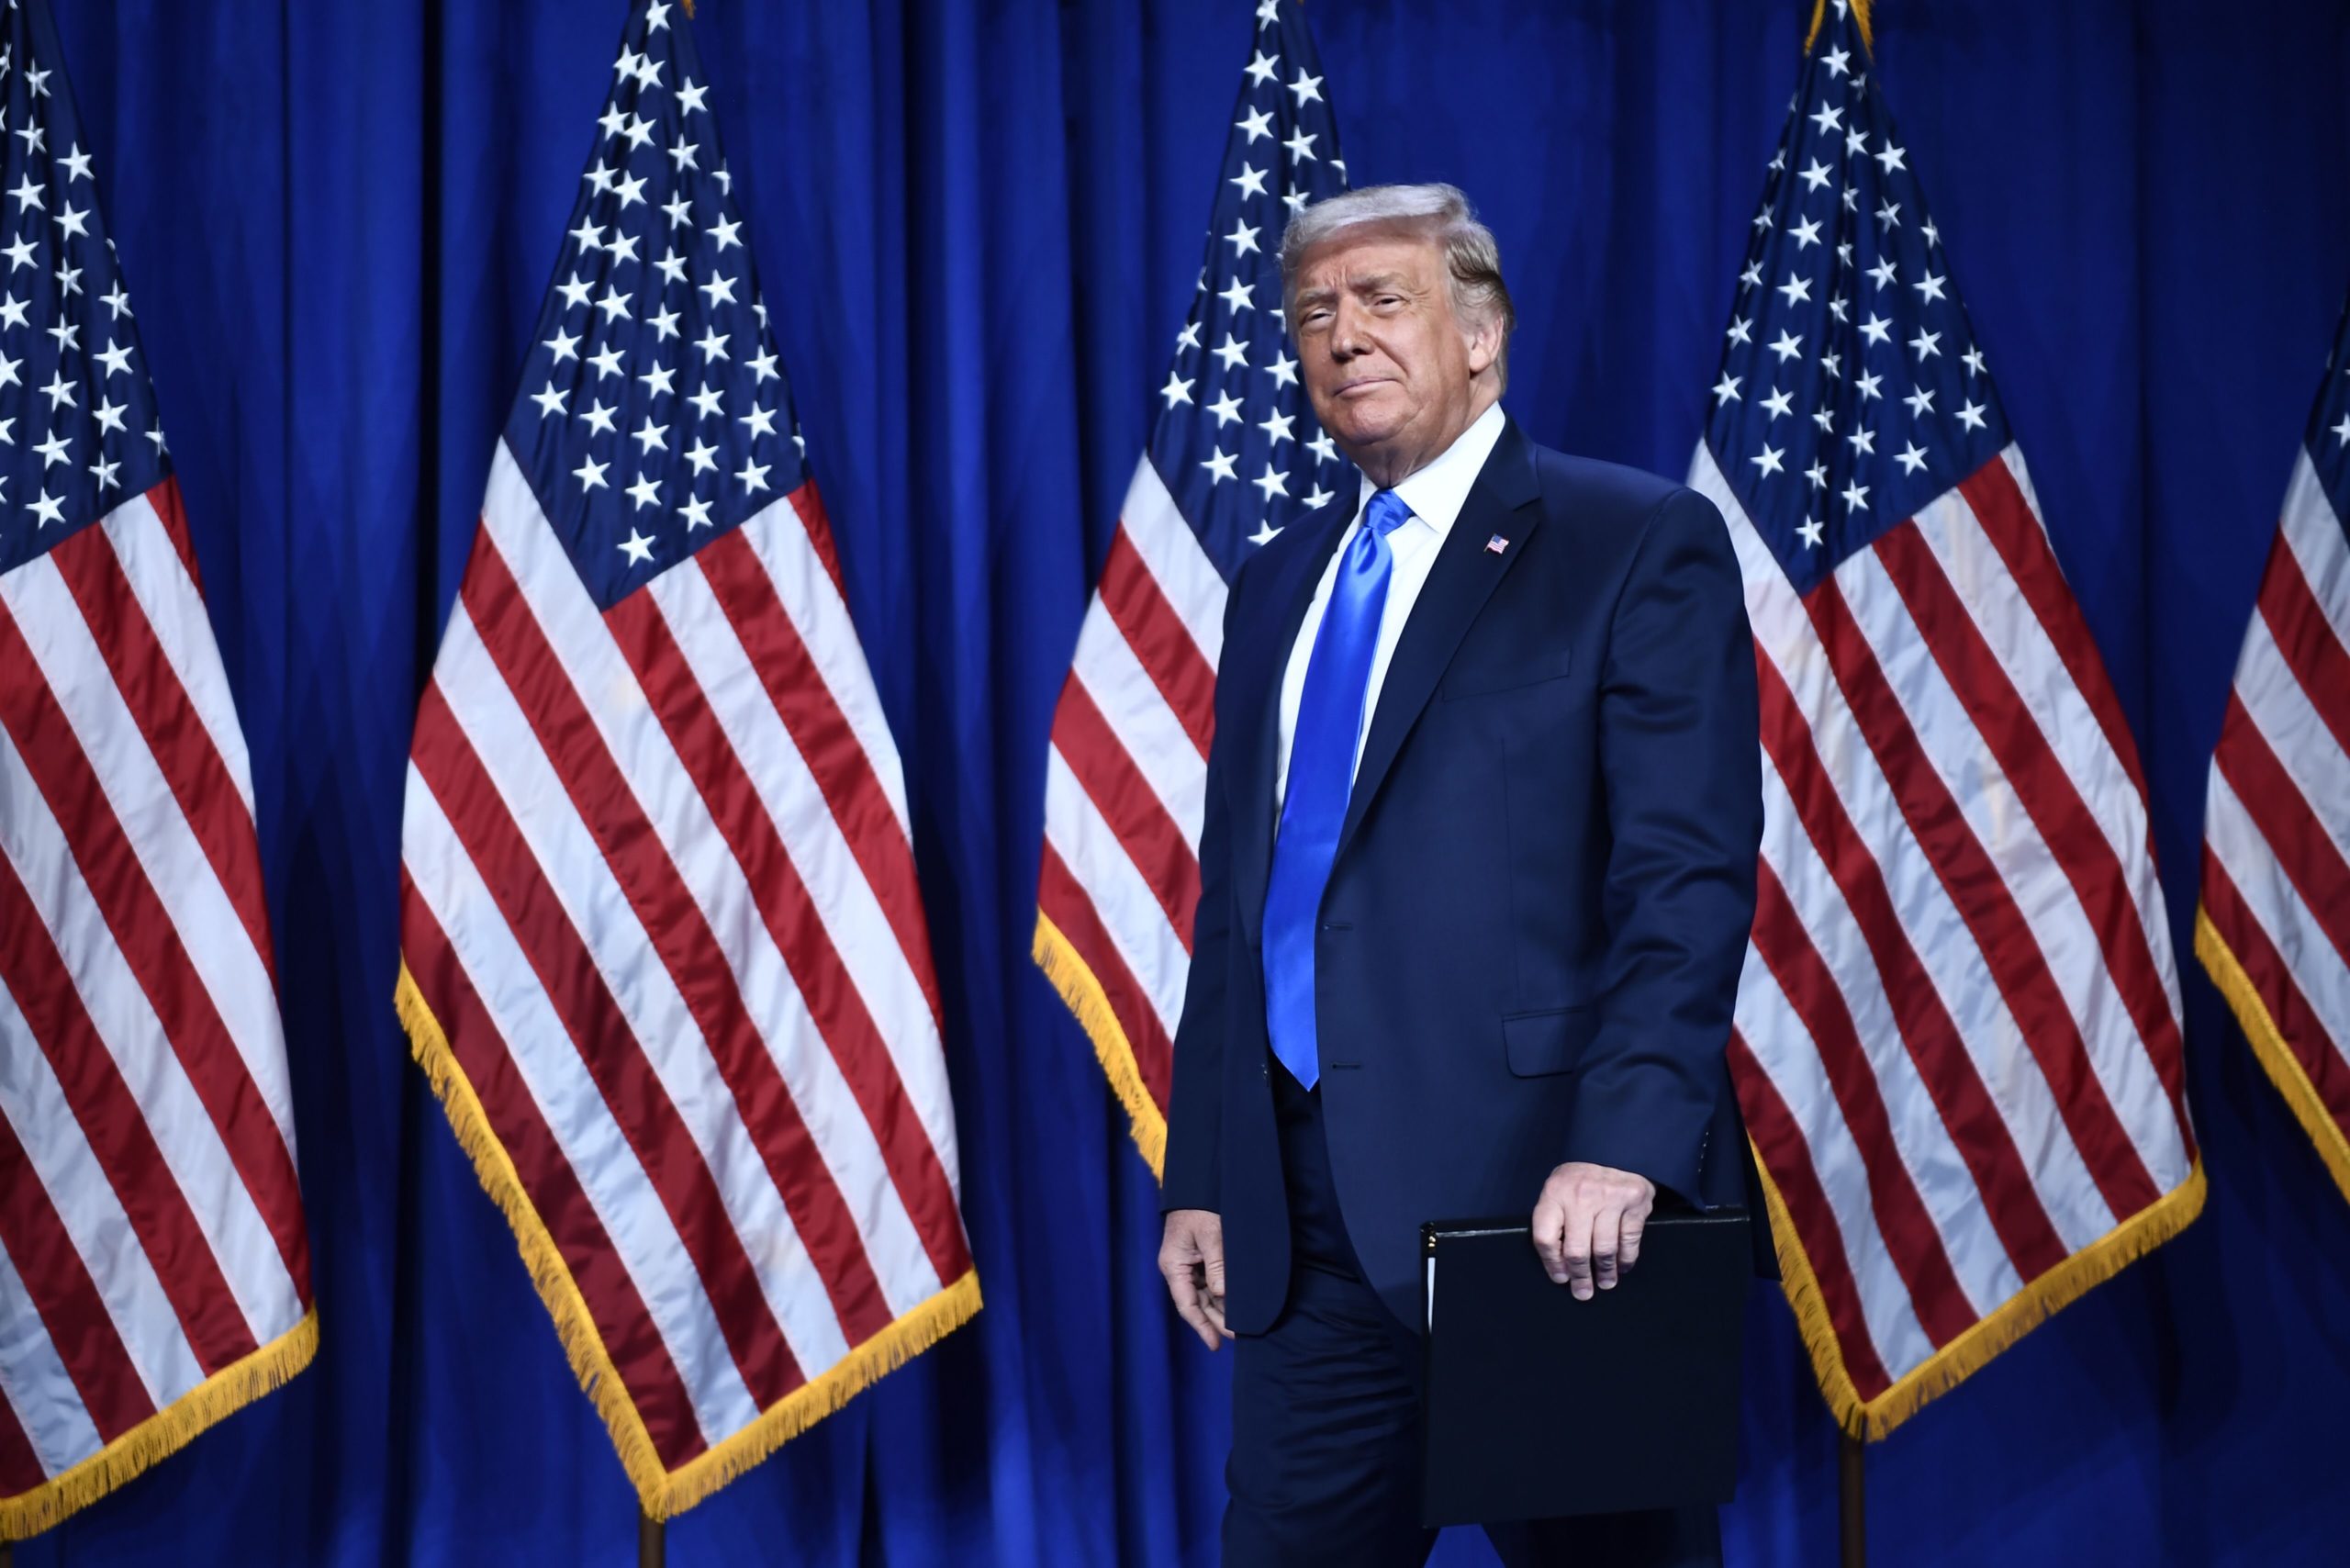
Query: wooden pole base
652, 1542
1852, 1497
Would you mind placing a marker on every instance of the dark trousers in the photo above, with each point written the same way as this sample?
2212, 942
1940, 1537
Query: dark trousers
1326, 1416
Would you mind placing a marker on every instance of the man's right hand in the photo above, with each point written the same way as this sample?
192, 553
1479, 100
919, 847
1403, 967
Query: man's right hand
1192, 1257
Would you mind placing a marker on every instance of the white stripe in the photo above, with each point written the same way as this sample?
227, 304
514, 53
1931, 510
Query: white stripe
2295, 933
2314, 533
780, 541
1145, 726
1954, 962
1790, 1059
165, 847
2297, 733
91, 1214
1995, 814
862, 938
1167, 546
176, 612
1978, 575
1121, 899
1944, 1184
662, 788
583, 883
644, 1239
191, 1145
36, 1384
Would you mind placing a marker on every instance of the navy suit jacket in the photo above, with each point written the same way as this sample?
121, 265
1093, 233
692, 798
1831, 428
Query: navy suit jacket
1531, 935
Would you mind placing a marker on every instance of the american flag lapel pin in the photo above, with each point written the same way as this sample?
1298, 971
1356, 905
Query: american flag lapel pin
1496, 544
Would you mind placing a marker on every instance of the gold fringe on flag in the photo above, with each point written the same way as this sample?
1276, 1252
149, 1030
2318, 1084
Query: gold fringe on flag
1869, 1419
662, 1492
2284, 1068
162, 1434
1820, 15
1073, 978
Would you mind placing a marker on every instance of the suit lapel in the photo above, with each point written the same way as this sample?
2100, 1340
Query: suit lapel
1256, 714
1464, 576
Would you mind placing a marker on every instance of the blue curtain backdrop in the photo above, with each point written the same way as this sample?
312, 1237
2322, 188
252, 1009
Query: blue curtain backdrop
979, 223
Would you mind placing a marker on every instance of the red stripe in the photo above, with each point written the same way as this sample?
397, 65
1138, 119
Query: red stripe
842, 1017
622, 1323
2007, 520
2304, 634
191, 764
1927, 1033
20, 1469
36, 975
632, 1092
165, 498
679, 936
1147, 836
2303, 1032
1066, 904
1910, 1239
1780, 1143
80, 1330
809, 505
152, 946
2049, 796
2006, 940
2303, 849
1163, 644
836, 759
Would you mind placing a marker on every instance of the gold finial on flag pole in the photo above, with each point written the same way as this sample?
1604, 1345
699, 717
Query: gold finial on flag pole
1819, 14
688, 5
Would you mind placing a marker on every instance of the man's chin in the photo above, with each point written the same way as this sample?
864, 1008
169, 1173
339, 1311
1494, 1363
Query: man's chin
1361, 438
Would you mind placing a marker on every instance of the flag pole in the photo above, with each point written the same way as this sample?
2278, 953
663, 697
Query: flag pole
1851, 1498
652, 1542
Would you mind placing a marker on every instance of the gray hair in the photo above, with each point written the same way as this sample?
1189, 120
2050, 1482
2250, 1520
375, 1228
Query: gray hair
1471, 258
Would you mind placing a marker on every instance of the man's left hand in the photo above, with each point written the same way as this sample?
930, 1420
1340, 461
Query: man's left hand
1587, 1225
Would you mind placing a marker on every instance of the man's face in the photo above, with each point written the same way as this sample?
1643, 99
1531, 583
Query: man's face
1389, 368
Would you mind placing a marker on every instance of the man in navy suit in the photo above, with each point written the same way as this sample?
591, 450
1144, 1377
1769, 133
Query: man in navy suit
1476, 874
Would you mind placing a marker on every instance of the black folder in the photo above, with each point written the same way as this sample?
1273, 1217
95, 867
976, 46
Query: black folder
1540, 1405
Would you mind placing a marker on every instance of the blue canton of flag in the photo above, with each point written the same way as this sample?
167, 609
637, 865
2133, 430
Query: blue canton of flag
78, 431
654, 416
1852, 390
1237, 442
2327, 439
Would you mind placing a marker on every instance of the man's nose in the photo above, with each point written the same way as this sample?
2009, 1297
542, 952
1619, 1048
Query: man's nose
1346, 331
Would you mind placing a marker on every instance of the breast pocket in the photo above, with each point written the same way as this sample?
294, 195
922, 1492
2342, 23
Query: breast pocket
1551, 1041
1486, 676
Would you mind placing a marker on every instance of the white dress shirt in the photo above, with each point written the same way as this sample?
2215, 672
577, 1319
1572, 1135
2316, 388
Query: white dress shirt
1436, 495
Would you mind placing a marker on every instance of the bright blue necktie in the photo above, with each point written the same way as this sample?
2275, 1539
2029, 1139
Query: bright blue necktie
1321, 775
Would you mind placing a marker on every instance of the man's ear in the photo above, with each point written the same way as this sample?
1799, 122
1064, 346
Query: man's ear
1484, 342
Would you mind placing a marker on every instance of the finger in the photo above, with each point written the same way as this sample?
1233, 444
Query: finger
1578, 1254
1212, 1262
1605, 1239
1186, 1297
1628, 1248
1212, 1309
1549, 1228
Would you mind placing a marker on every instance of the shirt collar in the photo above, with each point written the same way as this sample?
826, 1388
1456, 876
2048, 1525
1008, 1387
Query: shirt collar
1436, 493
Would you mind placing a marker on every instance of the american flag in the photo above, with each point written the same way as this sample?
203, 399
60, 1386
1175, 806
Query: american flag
1234, 457
664, 958
154, 1273
2273, 930
1957, 1039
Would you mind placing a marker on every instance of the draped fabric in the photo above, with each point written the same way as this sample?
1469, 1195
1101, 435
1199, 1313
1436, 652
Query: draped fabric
974, 222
